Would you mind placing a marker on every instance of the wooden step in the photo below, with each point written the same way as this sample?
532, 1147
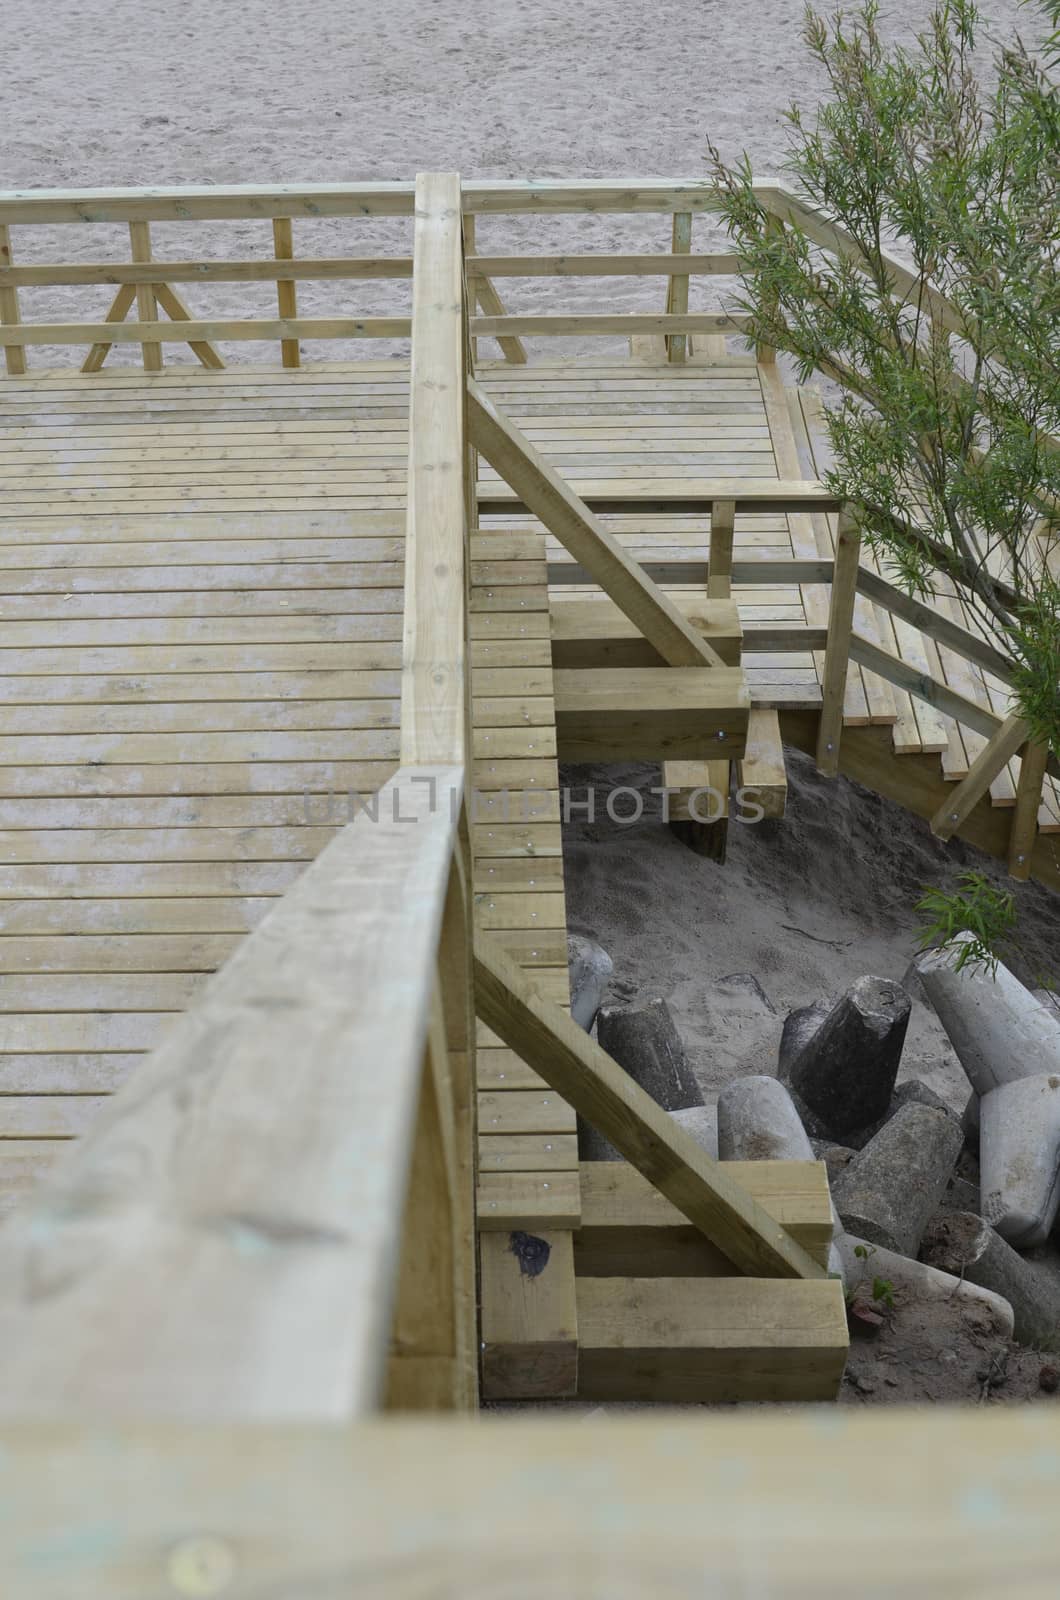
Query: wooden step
595, 633
651, 713
699, 1340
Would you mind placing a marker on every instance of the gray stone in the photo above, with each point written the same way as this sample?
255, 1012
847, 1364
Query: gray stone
757, 1121
701, 1122
913, 1091
891, 1188
914, 1282
998, 1029
745, 989
845, 1071
800, 1026
836, 1157
961, 1196
591, 969
958, 1242
645, 1042
1019, 1145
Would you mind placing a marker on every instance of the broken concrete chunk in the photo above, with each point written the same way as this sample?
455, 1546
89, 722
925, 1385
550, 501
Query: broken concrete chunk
800, 1026
757, 1121
894, 1186
591, 969
970, 1248
916, 1281
846, 1070
701, 1122
997, 1027
644, 1040
1019, 1152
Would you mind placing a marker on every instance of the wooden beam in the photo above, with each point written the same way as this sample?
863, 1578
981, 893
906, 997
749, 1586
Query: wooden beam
638, 1505
276, 271
566, 326
984, 769
927, 688
566, 516
14, 355
140, 236
164, 1270
434, 693
763, 775
120, 307
1033, 762
627, 1229
240, 328
177, 311
837, 653
702, 1340
595, 633
286, 292
650, 713
575, 1066
603, 266
935, 624
677, 295
755, 496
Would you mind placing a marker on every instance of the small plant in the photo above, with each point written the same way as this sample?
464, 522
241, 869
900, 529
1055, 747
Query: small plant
976, 907
883, 1292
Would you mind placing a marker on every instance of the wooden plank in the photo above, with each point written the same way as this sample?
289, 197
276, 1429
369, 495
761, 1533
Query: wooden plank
389, 1505
278, 271
434, 691
154, 334
596, 323
286, 292
602, 266
837, 653
628, 1229
529, 1315
1028, 798
565, 515
14, 355
225, 1299
140, 236
613, 496
681, 1340
599, 1090
915, 682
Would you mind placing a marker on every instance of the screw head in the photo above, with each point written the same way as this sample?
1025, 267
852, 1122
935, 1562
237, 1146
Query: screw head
201, 1566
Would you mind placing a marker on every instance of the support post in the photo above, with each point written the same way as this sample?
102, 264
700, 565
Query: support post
120, 307
722, 532
177, 311
837, 653
677, 295
984, 769
10, 316
286, 289
146, 309
483, 294
1033, 762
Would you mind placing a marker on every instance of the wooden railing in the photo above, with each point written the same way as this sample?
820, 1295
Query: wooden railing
145, 284
274, 1220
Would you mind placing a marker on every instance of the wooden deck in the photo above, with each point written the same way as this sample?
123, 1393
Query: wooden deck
202, 606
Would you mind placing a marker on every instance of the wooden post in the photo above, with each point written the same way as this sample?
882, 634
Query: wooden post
482, 293
147, 311
469, 250
175, 308
1033, 762
765, 353
286, 290
722, 529
837, 653
14, 354
677, 296
120, 307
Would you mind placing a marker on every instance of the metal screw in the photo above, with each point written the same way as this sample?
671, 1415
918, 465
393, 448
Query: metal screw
201, 1566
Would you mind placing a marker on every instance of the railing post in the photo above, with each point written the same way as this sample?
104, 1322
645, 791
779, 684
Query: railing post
1033, 761
14, 354
286, 291
146, 309
677, 295
765, 353
722, 533
837, 652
